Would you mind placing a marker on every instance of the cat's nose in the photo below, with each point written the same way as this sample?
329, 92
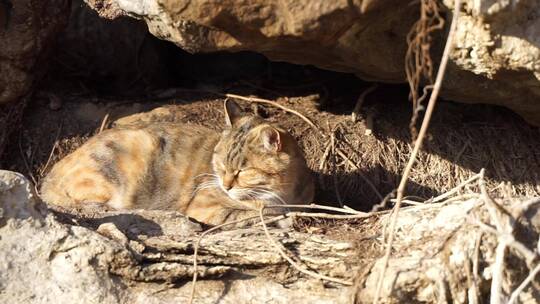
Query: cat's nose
227, 184
228, 181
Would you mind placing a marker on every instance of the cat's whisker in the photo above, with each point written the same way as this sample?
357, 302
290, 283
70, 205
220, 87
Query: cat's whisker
272, 195
209, 184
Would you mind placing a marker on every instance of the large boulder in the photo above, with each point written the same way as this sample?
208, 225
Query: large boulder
27, 32
496, 59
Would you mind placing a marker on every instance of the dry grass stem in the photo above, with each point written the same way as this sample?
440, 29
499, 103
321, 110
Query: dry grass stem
292, 262
409, 202
369, 124
356, 111
418, 145
383, 203
334, 177
491, 206
327, 215
322, 207
456, 189
104, 123
53, 149
324, 157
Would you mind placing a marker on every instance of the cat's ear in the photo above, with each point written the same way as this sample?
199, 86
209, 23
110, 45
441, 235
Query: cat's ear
233, 112
271, 139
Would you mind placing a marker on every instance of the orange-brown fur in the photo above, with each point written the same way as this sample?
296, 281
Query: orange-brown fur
206, 175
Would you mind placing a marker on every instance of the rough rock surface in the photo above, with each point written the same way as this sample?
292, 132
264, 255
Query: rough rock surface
27, 32
54, 256
496, 59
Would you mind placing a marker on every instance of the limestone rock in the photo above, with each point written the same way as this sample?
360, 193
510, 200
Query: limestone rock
496, 59
18, 198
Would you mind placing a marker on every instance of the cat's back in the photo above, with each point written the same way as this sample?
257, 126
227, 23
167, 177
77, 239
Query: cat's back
114, 165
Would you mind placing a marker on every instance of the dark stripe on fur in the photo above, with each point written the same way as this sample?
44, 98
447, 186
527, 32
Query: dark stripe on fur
107, 168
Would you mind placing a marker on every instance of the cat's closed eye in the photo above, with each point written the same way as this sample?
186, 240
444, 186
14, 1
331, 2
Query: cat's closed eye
254, 177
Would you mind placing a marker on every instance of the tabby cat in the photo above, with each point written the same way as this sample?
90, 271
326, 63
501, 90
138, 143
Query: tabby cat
206, 175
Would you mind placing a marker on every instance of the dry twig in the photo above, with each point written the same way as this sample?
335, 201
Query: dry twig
275, 104
497, 276
418, 145
347, 210
328, 216
456, 188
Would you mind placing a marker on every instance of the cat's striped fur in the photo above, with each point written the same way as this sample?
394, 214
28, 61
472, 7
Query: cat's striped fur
206, 175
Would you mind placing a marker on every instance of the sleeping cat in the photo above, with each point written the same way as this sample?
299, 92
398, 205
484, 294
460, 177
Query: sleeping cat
206, 175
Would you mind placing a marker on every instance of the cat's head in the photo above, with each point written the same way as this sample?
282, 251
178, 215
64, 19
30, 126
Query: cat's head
259, 162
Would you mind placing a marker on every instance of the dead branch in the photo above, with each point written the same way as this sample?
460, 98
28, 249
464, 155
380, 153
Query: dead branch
418, 143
